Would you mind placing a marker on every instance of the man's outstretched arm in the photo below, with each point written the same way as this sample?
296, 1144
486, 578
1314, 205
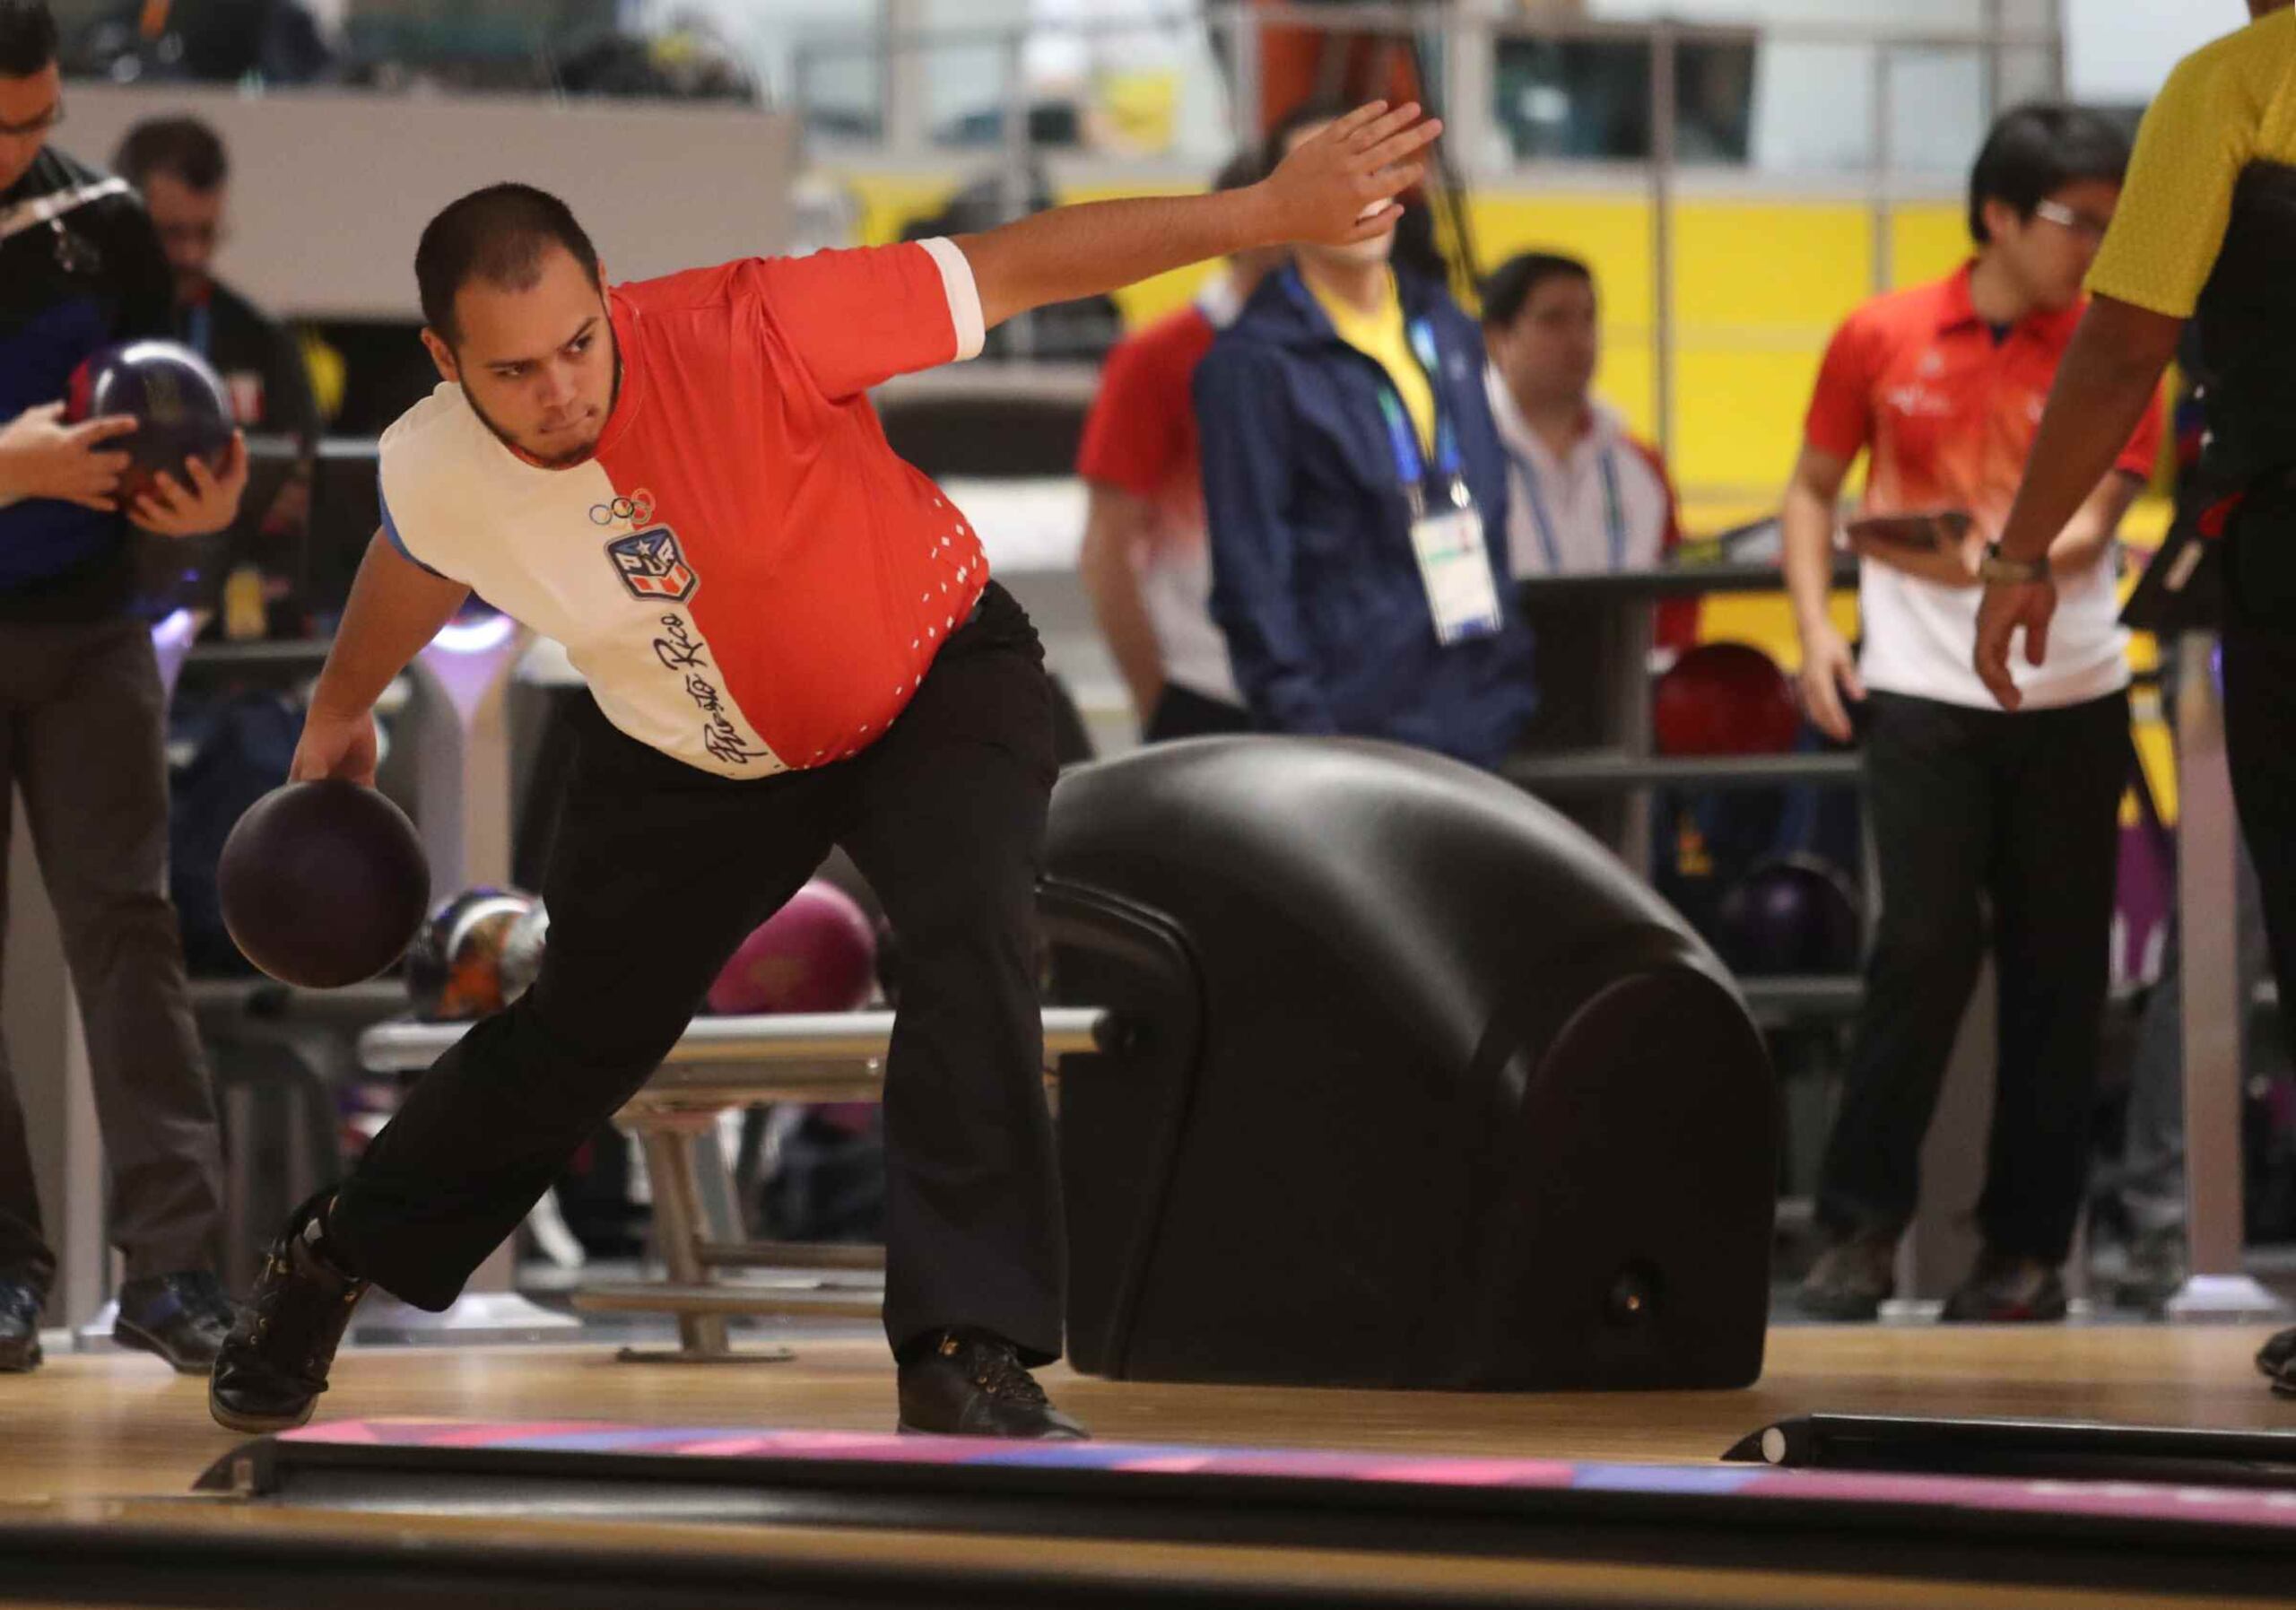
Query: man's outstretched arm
1336, 187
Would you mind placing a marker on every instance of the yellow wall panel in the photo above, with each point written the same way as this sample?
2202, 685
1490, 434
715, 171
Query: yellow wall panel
1611, 234
1739, 414
1789, 268
1927, 241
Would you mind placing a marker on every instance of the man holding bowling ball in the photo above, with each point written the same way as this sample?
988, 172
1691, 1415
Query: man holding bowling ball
82, 722
791, 642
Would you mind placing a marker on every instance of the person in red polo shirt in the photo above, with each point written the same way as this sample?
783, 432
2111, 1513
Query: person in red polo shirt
791, 641
1147, 556
1990, 828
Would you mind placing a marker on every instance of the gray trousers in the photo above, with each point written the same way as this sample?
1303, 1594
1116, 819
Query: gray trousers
82, 741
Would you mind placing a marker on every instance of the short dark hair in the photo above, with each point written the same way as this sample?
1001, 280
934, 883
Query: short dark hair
2036, 151
183, 148
1240, 172
1511, 285
1315, 110
27, 38
499, 235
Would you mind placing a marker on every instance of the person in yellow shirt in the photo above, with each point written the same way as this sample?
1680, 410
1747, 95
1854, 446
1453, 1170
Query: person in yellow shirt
2207, 231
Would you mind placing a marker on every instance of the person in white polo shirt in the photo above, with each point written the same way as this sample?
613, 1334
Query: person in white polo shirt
1584, 496
1589, 496
1991, 830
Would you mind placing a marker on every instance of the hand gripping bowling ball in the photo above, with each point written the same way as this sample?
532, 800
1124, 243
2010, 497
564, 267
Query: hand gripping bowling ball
817, 954
1795, 914
476, 955
323, 884
1725, 699
180, 408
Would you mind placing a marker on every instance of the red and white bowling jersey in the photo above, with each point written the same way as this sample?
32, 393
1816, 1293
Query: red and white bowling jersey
744, 571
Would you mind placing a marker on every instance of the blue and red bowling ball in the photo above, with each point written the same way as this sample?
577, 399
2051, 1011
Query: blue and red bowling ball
179, 403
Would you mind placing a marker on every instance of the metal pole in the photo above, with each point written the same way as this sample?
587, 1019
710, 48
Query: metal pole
1244, 48
2207, 837
1884, 160
1021, 332
1995, 20
903, 80
1662, 233
739, 1041
1469, 58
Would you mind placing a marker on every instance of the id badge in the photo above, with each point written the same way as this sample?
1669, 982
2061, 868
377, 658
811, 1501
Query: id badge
1454, 565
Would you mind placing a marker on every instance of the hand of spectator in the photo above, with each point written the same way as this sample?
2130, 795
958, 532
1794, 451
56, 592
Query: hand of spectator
41, 457
2009, 608
1339, 187
210, 504
1829, 673
336, 743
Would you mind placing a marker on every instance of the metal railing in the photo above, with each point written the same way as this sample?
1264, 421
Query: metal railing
1458, 49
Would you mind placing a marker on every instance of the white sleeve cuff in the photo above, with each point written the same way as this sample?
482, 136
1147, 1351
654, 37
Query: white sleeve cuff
964, 295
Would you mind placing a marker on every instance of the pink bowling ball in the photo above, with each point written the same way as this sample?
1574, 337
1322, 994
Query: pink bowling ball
817, 954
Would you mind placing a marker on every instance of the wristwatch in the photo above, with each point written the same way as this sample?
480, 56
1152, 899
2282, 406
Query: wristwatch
1996, 566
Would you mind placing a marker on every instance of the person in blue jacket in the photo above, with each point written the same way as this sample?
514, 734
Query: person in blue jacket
1356, 490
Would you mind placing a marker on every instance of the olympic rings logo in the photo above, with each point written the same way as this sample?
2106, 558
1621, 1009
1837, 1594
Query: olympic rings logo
638, 508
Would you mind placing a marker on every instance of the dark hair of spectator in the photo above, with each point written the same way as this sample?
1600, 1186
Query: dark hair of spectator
1511, 285
184, 149
27, 38
2036, 151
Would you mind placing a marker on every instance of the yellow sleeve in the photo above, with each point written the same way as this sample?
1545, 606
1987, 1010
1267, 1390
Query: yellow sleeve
2196, 139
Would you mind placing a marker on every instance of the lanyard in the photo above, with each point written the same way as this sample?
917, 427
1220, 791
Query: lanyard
1403, 436
199, 329
1543, 522
46, 209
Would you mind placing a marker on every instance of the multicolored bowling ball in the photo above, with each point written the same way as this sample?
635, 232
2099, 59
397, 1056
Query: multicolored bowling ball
817, 954
476, 955
1725, 699
322, 884
1795, 914
179, 403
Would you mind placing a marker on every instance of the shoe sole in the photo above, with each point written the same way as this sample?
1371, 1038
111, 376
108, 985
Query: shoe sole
901, 1428
136, 1339
2009, 1316
231, 1420
1840, 1313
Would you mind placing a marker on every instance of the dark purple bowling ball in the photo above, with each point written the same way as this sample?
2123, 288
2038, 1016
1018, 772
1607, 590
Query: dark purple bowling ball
323, 884
1797, 914
179, 403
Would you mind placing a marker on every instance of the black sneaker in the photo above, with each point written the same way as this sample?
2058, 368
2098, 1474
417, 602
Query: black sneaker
2277, 1358
2005, 1289
970, 1383
20, 1306
274, 1364
183, 1318
1852, 1278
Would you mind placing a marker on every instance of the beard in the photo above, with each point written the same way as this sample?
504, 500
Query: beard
549, 461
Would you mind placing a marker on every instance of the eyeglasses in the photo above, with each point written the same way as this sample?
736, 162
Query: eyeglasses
41, 125
2065, 218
